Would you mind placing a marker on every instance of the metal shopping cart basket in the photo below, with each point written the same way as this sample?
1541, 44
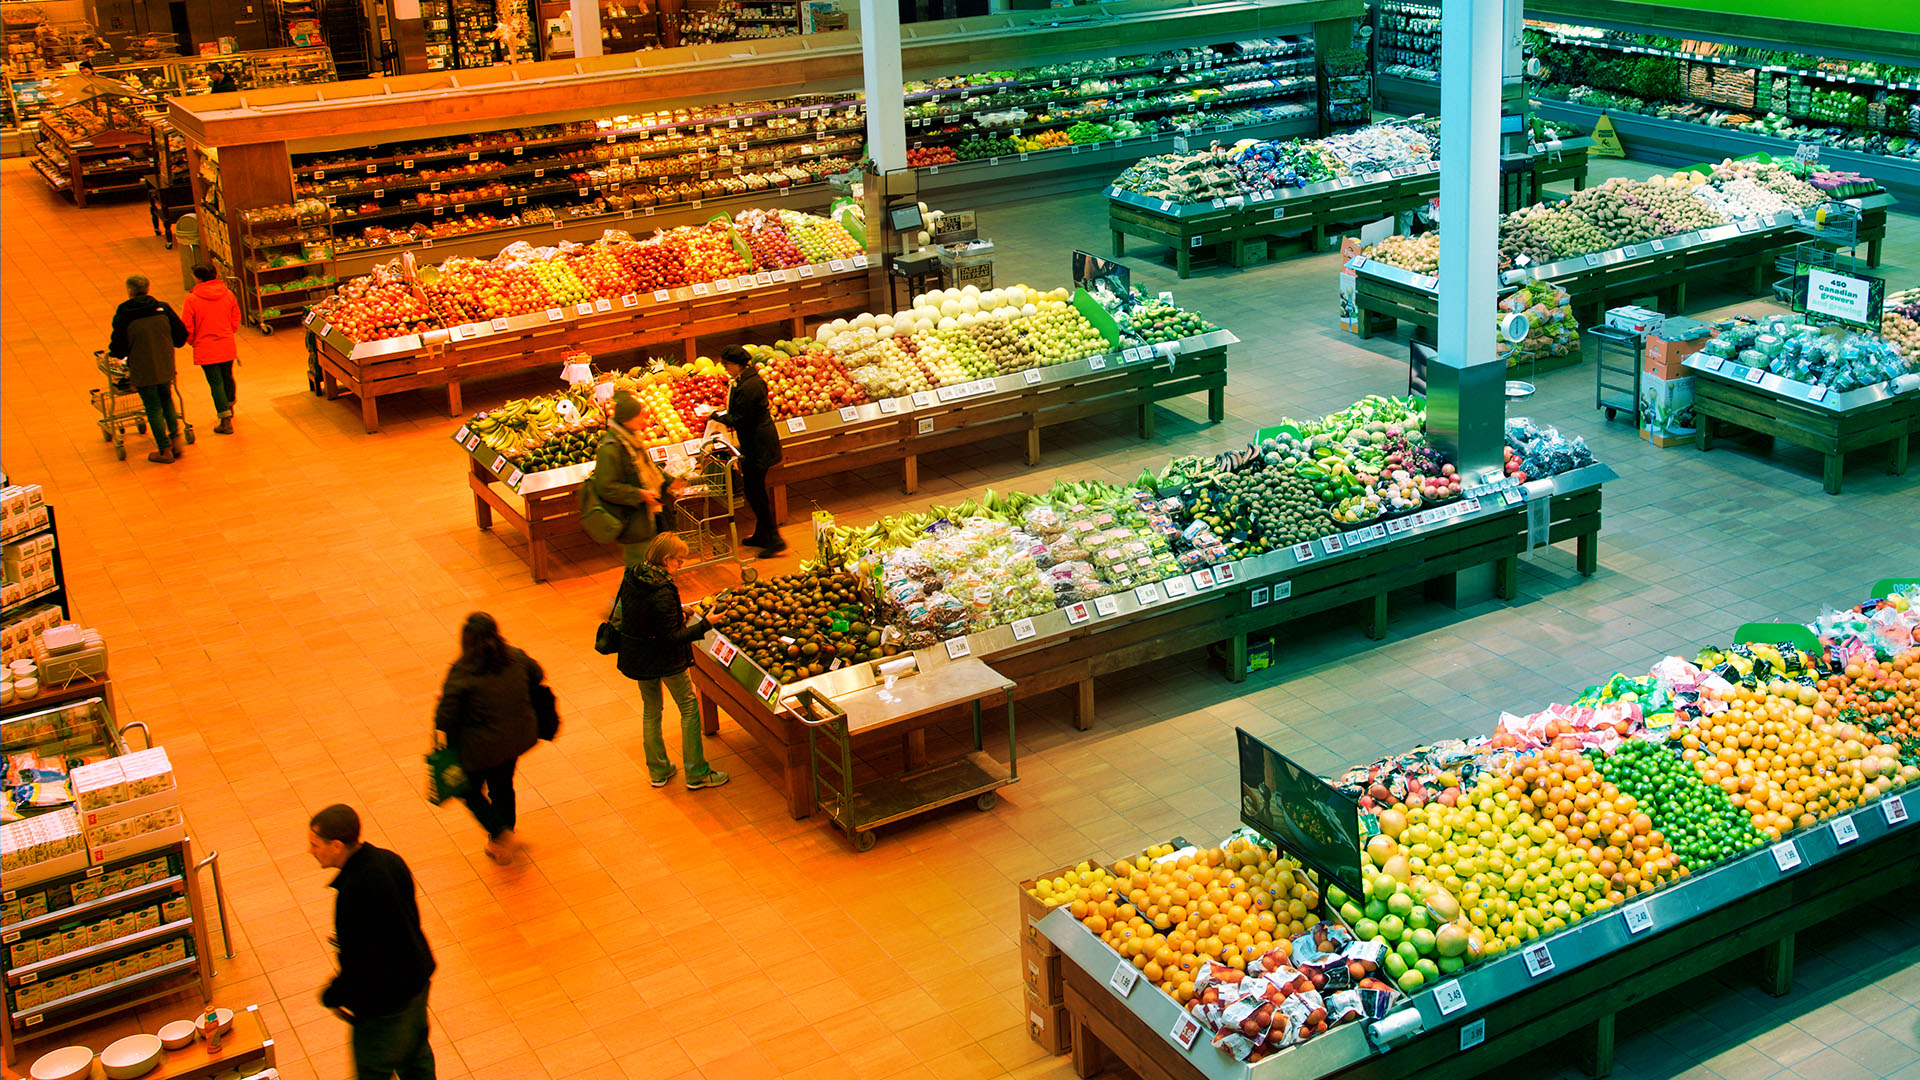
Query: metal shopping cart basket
703, 508
119, 405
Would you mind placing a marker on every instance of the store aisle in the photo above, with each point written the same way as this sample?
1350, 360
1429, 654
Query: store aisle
280, 607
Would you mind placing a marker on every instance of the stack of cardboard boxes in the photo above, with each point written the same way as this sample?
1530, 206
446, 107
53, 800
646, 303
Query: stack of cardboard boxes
1666, 388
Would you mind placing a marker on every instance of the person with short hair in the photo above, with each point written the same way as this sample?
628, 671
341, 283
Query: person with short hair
212, 317
656, 647
486, 709
625, 481
386, 966
748, 414
223, 81
145, 333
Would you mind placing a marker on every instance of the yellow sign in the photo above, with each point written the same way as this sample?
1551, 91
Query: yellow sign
1606, 141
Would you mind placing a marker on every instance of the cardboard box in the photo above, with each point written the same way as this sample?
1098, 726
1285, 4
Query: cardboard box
1048, 1026
1041, 972
134, 845
1666, 411
132, 808
1670, 345
1635, 319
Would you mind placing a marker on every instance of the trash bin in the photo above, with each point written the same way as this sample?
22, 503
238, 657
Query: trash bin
186, 241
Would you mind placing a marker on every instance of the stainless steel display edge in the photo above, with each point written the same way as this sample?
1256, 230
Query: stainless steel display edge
1490, 982
739, 285
1106, 152
1144, 357
1801, 393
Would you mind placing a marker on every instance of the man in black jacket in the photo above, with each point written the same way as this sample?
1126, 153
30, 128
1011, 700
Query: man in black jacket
385, 964
145, 332
752, 423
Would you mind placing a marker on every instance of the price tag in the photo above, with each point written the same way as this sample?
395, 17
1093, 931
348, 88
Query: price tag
1330, 545
1755, 374
1637, 918
1449, 997
723, 285
700, 288
1261, 596
1147, 594
1845, 831
1176, 587
1472, 1035
1539, 961
1097, 363
1124, 978
1713, 363
769, 688
922, 399
518, 150
1894, 810
555, 314
558, 225
860, 262
889, 405
371, 169
1303, 552
796, 424
1023, 629
924, 427
583, 309
1031, 375
472, 442
1202, 579
1077, 613
1816, 393
1106, 605
723, 650
778, 275
836, 265
1224, 573
807, 270
1185, 1030
1786, 855
763, 279
848, 414
499, 464
957, 648
1659, 245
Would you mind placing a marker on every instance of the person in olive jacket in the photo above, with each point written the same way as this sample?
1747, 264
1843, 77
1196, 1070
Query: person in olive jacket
145, 332
748, 415
625, 482
656, 646
486, 709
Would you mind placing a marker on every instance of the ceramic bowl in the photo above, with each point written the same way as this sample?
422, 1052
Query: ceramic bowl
177, 1034
22, 668
66, 1063
26, 688
6, 690
133, 1056
226, 1019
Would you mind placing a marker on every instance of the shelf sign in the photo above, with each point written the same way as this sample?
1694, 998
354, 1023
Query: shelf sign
555, 314
1473, 1034
1125, 976
1786, 855
1894, 810
1106, 605
769, 688
796, 424
1023, 629
1176, 587
1185, 1030
723, 650
957, 648
1539, 961
1260, 597
1845, 831
1449, 997
1637, 918
1147, 594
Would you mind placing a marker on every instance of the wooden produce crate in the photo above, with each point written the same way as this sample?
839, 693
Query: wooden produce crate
1727, 395
605, 327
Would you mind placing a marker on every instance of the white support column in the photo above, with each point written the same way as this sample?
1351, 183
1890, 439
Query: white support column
886, 101
1466, 400
585, 15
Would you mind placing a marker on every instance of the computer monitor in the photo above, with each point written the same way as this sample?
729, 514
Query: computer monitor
905, 218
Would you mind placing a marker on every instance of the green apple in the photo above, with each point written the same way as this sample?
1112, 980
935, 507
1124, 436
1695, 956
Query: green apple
1400, 904
1391, 928
1350, 913
1366, 929
1374, 910
1420, 918
1395, 966
1410, 980
1408, 953
1427, 968
1421, 939
1451, 964
1336, 895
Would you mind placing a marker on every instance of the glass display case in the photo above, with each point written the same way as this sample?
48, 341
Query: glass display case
96, 141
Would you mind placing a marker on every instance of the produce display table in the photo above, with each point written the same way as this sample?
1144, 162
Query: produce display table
1730, 394
1598, 966
1661, 268
447, 356
905, 704
1068, 647
1313, 209
545, 506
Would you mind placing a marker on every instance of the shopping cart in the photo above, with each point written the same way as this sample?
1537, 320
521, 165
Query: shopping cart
119, 404
704, 507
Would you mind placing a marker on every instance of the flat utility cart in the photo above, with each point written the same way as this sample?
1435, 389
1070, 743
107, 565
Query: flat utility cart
908, 700
1616, 370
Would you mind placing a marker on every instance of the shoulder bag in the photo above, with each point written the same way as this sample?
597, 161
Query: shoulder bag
606, 636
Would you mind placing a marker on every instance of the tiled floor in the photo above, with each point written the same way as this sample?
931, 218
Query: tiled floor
280, 607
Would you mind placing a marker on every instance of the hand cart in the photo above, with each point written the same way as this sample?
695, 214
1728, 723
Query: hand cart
832, 722
1616, 371
119, 405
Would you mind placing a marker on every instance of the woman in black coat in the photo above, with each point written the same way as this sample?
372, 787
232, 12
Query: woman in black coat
656, 646
752, 422
486, 709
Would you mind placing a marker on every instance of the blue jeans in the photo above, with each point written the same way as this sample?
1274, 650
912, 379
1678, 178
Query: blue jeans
389, 1046
691, 752
161, 417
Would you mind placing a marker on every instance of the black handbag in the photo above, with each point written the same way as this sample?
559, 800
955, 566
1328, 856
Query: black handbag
546, 712
606, 636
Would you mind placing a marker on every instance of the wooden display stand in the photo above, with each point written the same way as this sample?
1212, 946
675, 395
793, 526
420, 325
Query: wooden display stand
1720, 401
622, 326
545, 507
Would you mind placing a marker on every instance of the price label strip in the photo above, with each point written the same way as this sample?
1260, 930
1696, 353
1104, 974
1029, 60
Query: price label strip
1538, 959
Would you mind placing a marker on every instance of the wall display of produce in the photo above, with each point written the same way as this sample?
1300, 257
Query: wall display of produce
1481, 847
407, 192
1406, 40
1900, 323
947, 339
995, 113
1868, 107
1247, 168
953, 570
395, 301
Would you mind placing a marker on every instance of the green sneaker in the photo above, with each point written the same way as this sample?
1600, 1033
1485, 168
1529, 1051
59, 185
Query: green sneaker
713, 778
663, 781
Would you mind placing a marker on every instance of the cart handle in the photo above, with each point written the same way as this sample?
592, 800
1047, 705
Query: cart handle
144, 732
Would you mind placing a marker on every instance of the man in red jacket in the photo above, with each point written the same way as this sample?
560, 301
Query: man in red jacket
212, 316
